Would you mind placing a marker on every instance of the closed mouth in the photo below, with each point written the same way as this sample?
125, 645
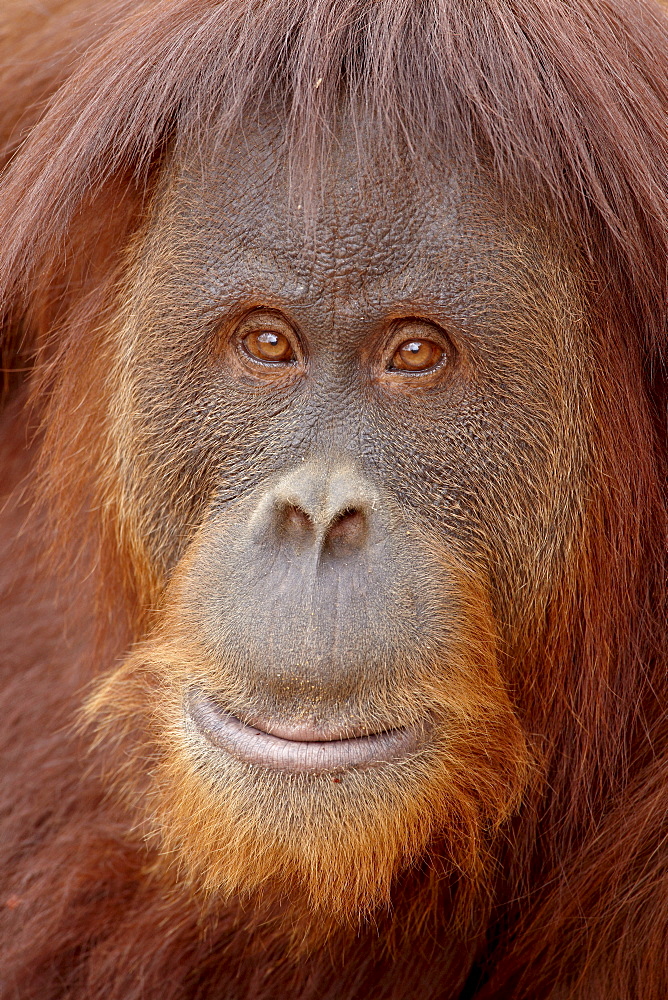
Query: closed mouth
300, 753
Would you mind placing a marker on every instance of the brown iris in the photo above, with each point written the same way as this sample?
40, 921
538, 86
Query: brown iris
416, 356
269, 345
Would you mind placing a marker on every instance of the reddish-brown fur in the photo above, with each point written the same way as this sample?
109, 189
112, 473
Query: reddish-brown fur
92, 95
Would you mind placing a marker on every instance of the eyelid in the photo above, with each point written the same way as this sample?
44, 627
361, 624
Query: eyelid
260, 319
413, 328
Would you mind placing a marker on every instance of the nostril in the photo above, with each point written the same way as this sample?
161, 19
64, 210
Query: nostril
347, 531
294, 522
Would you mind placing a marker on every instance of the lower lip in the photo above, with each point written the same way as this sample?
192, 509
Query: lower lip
254, 746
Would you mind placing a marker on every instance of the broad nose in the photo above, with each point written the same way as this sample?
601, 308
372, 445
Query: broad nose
328, 510
341, 535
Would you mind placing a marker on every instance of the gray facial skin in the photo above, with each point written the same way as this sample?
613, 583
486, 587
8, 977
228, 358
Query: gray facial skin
341, 497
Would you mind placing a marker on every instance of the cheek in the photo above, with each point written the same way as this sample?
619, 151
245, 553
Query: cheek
500, 476
187, 439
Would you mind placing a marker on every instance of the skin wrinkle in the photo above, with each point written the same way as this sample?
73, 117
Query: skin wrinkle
399, 630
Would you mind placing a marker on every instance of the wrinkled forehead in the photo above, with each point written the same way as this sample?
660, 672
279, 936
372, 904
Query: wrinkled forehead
362, 220
372, 233
355, 207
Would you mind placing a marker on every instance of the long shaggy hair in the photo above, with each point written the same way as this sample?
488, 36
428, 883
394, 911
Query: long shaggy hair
563, 103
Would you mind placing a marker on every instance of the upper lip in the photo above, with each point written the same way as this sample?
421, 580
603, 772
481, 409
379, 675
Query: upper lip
302, 748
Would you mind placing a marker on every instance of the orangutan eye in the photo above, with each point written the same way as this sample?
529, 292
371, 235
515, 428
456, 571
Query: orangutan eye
266, 336
416, 356
269, 345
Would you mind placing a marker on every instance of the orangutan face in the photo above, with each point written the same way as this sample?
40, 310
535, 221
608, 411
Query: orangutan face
352, 450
